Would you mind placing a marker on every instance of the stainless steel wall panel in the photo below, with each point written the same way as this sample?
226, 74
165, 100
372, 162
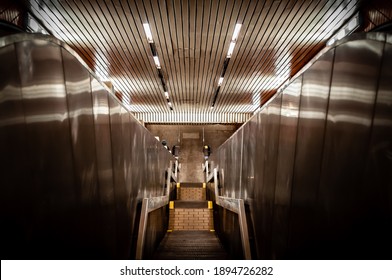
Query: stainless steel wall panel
156, 156
309, 150
104, 166
12, 121
138, 158
248, 169
49, 180
377, 176
230, 157
79, 163
150, 164
126, 140
223, 154
234, 160
136, 192
103, 142
81, 119
13, 142
248, 161
341, 195
129, 202
267, 189
284, 170
123, 229
322, 186
218, 158
259, 156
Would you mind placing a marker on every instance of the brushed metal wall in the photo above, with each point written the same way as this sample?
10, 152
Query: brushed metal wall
314, 166
75, 164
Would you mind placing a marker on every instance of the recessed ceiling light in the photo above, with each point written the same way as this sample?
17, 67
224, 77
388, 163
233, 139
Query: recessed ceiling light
236, 32
157, 64
147, 30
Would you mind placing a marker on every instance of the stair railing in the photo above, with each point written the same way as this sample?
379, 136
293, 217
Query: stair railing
237, 206
209, 175
151, 204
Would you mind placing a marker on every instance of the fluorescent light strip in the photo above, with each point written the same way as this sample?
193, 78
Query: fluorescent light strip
147, 30
347, 29
231, 49
234, 38
220, 81
353, 24
236, 32
157, 64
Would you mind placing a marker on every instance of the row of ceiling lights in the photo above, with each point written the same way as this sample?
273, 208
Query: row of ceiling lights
226, 62
234, 38
147, 30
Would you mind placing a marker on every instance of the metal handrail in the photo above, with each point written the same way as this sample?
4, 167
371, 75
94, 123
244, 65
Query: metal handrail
237, 206
174, 174
209, 175
148, 205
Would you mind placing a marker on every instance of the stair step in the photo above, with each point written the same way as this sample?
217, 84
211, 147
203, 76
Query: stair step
190, 245
191, 185
191, 204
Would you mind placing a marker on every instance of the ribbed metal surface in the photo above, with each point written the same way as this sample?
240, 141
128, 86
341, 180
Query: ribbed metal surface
192, 39
376, 13
314, 166
190, 245
12, 12
189, 118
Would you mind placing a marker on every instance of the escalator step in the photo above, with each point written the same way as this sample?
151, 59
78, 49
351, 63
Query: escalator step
190, 245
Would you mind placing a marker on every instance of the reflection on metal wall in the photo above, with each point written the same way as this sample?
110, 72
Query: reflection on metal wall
314, 166
74, 163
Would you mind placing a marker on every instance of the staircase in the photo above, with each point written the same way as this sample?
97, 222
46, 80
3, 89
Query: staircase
191, 232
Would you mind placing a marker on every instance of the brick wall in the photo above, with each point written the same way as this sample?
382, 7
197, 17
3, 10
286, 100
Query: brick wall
191, 194
191, 150
191, 219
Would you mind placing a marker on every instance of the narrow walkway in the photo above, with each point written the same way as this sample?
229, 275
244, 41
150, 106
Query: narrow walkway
191, 234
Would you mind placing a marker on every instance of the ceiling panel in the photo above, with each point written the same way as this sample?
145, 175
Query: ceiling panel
192, 39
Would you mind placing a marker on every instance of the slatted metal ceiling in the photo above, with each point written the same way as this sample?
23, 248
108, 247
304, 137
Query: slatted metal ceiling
192, 39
